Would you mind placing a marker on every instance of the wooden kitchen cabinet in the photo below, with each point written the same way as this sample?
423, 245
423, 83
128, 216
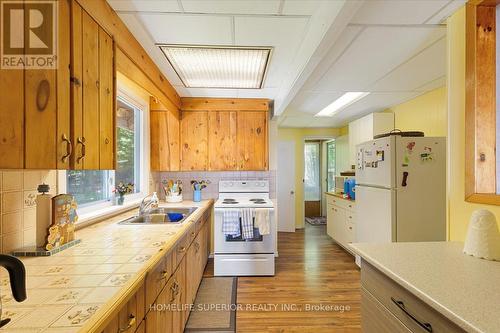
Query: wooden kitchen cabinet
130, 315
35, 108
194, 140
222, 147
93, 93
165, 140
252, 140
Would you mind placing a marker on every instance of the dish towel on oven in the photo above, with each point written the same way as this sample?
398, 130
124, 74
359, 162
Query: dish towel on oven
231, 222
247, 215
262, 221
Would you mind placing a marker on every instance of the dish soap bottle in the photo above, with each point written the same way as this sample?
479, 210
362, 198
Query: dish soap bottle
155, 201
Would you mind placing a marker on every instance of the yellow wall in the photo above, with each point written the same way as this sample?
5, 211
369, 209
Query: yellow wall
298, 135
425, 113
459, 210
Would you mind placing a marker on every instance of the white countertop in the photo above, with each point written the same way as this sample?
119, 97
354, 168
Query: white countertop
464, 289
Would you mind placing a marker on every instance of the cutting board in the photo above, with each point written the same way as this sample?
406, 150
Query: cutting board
64, 217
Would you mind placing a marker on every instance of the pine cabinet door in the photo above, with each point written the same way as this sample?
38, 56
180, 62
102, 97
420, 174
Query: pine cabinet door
222, 149
252, 140
107, 140
160, 148
194, 140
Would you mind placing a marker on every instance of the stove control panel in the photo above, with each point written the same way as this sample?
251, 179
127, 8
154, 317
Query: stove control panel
246, 186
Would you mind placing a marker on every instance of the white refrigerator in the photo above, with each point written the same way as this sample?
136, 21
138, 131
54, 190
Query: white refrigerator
401, 189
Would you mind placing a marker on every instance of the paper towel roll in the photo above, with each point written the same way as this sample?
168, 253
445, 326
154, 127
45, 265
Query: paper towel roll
43, 218
483, 237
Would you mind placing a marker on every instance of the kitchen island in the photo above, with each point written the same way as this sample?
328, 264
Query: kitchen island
427, 286
113, 280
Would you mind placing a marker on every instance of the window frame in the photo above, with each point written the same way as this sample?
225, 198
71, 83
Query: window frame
103, 207
480, 103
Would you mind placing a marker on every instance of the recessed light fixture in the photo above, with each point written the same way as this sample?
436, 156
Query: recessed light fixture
342, 102
218, 66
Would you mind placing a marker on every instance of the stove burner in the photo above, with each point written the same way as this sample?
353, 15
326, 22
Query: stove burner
230, 202
256, 200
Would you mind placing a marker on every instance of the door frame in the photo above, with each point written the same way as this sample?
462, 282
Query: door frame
322, 179
291, 225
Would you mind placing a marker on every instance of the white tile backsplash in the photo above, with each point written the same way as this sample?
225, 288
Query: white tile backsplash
212, 192
18, 206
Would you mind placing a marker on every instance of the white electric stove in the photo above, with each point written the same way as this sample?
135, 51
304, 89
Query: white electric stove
235, 256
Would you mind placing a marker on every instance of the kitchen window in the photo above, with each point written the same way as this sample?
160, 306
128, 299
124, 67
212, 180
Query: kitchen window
93, 189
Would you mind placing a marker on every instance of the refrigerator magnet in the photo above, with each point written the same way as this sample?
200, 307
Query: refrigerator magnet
410, 146
380, 155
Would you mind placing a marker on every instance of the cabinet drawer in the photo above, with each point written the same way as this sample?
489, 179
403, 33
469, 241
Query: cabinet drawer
182, 247
375, 318
132, 313
340, 202
410, 310
158, 277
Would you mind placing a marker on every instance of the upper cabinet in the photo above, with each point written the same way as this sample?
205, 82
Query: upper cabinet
222, 145
35, 108
93, 94
215, 134
364, 129
194, 140
63, 117
252, 141
165, 138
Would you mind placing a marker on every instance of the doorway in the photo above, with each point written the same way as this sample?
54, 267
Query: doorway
319, 176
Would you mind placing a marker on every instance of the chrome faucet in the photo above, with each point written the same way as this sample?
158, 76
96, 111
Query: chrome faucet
145, 204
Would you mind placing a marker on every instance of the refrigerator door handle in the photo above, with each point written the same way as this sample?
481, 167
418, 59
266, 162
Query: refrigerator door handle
405, 179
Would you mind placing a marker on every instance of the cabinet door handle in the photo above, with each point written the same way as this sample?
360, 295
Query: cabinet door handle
164, 275
197, 247
69, 148
81, 140
182, 249
131, 323
401, 306
193, 233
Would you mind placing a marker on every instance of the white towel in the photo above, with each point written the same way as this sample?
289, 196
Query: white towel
231, 222
262, 221
247, 215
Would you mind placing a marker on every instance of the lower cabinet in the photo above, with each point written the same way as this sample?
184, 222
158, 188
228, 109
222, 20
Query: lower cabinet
341, 221
130, 315
162, 302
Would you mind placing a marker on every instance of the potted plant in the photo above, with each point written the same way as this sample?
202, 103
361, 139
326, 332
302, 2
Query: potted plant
121, 189
197, 186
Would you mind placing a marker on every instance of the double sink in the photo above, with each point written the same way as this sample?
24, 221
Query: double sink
159, 216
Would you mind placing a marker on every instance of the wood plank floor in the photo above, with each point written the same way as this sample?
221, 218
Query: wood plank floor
311, 270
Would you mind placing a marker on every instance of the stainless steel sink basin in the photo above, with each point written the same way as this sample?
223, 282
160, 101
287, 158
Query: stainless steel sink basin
159, 216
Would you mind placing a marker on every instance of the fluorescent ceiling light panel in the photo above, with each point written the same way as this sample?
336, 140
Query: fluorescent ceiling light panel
342, 102
218, 67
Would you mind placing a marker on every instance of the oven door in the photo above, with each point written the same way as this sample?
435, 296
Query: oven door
258, 244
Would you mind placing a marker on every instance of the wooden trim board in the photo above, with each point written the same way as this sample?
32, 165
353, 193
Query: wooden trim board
480, 104
224, 104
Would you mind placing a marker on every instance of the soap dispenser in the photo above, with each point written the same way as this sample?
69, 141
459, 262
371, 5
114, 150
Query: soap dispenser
155, 201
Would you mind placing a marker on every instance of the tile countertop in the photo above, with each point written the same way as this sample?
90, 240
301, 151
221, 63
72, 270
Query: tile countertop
462, 288
340, 196
86, 281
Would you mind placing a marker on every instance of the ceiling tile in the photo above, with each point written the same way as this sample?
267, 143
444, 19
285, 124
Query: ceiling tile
188, 29
446, 11
313, 102
145, 5
295, 122
269, 7
284, 34
294, 7
397, 12
372, 103
144, 38
374, 53
427, 66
